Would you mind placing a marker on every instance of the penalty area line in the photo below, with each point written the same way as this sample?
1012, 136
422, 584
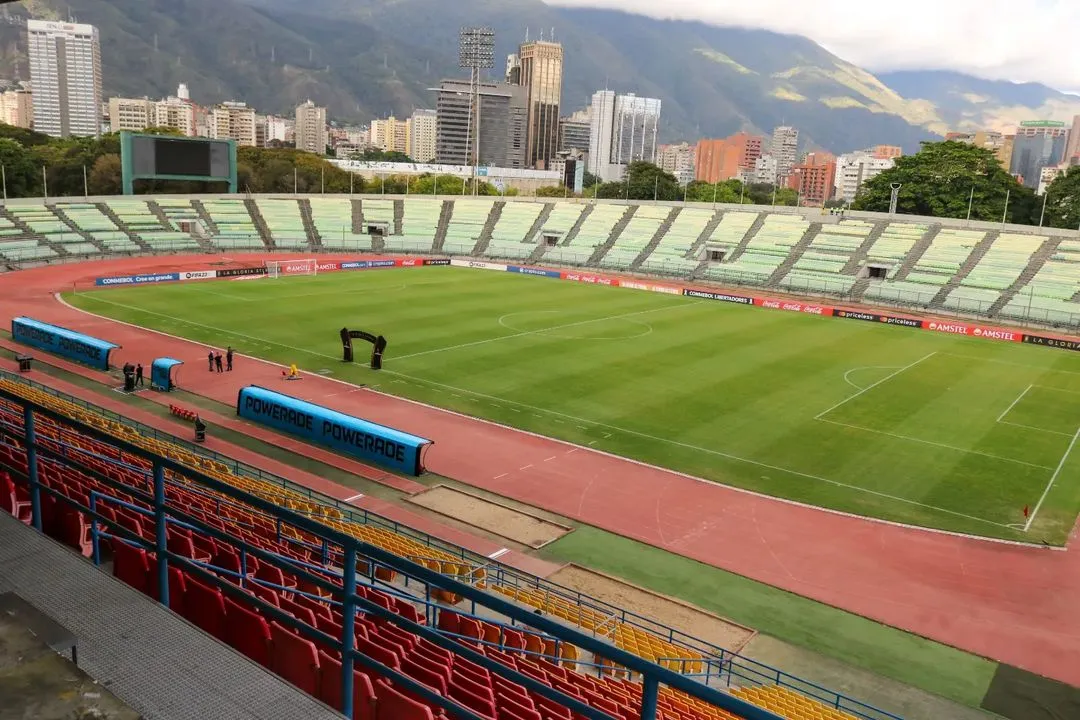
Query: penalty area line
888, 377
1053, 479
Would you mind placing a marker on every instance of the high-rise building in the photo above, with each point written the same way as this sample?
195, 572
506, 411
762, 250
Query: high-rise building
574, 132
1073, 148
1001, 145
392, 135
718, 160
1038, 144
422, 135
764, 172
137, 114
623, 129
541, 75
17, 108
65, 74
513, 69
311, 128
495, 134
232, 121
854, 169
785, 148
677, 160
814, 179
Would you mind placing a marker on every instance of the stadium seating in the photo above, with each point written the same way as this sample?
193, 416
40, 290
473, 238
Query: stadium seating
670, 256
283, 219
635, 237
418, 226
235, 227
243, 623
333, 220
509, 237
466, 225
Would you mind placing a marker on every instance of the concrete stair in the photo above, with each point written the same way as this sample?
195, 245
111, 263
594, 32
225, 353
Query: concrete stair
484, 240
613, 236
399, 216
859, 289
916, 252
358, 217
856, 260
59, 212
314, 239
57, 248
751, 231
204, 216
260, 223
538, 224
796, 252
124, 227
656, 238
1035, 264
576, 227
159, 212
445, 214
977, 253
703, 238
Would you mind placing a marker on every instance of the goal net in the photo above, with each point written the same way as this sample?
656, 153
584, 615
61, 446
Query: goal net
277, 268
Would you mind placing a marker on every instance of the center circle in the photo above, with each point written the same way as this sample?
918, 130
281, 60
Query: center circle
617, 328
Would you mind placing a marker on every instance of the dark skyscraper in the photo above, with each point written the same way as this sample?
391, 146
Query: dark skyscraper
541, 75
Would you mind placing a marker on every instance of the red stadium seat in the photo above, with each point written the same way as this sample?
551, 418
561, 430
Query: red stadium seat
330, 688
247, 632
131, 565
204, 607
421, 673
294, 659
393, 705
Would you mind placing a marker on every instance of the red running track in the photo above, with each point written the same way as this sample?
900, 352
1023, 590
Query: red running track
1016, 604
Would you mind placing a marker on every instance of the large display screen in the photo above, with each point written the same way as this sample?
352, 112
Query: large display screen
181, 157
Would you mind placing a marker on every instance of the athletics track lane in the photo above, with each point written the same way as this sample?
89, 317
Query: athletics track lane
1013, 603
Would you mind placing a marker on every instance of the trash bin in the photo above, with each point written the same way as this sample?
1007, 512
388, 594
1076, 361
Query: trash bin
25, 361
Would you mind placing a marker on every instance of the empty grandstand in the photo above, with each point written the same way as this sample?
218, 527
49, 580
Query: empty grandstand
1014, 274
372, 618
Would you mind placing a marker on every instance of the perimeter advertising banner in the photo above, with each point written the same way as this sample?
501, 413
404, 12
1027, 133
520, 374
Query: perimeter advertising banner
346, 434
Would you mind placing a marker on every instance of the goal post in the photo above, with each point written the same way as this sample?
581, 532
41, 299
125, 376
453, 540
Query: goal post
278, 268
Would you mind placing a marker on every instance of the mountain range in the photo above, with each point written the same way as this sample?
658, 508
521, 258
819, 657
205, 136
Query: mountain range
370, 58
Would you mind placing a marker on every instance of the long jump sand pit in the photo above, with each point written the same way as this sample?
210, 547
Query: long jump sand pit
496, 518
671, 612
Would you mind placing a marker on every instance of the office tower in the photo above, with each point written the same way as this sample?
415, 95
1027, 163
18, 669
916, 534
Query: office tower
785, 149
623, 129
65, 74
574, 133
311, 128
718, 160
1037, 144
232, 121
423, 132
499, 124
513, 69
541, 75
814, 179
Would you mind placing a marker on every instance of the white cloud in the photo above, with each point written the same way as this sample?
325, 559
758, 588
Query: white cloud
1029, 41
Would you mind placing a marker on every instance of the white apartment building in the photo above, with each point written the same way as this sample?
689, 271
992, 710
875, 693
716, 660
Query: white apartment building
677, 160
764, 172
854, 169
232, 121
310, 129
785, 149
392, 135
17, 108
137, 114
422, 135
622, 129
65, 74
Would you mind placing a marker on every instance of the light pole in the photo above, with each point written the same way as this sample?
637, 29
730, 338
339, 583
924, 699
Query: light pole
476, 52
1005, 212
971, 199
895, 187
1042, 215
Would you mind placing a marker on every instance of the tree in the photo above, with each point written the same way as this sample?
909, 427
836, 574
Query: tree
22, 175
553, 191
642, 181
943, 179
589, 180
1063, 201
106, 176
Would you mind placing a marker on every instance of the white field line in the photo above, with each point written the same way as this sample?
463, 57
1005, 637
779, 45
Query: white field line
542, 330
1014, 403
1053, 479
935, 444
1032, 427
888, 377
847, 375
1007, 362
736, 458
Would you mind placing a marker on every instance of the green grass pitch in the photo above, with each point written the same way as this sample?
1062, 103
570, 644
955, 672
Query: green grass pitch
947, 432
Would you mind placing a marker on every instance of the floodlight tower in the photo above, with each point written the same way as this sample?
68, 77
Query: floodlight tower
476, 53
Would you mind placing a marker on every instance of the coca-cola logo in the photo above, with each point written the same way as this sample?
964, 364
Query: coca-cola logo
410, 263
813, 309
773, 304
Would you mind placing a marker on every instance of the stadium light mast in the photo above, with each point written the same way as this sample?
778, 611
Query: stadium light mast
893, 197
476, 52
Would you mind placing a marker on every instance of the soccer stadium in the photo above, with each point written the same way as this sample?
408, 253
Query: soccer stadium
581, 423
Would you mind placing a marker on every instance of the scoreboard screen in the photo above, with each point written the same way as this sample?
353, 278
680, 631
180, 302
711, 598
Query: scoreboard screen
177, 158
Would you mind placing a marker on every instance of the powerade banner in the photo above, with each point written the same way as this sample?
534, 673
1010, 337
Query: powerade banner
1053, 342
350, 435
534, 271
63, 342
137, 279
722, 297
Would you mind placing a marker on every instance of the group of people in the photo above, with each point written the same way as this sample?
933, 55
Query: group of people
214, 360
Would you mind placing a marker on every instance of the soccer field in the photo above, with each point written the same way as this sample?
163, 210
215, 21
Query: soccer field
943, 431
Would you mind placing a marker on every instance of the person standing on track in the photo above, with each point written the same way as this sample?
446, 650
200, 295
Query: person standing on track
138, 374
228, 359
210, 360
217, 362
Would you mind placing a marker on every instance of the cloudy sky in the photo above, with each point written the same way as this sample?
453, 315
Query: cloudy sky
995, 39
